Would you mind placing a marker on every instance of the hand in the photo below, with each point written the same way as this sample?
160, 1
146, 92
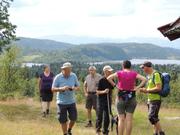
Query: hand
65, 88
86, 94
106, 91
136, 89
143, 90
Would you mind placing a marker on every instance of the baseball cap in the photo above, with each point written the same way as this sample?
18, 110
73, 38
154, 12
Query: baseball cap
146, 64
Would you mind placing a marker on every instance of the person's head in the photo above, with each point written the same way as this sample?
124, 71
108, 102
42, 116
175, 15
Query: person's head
108, 70
92, 70
46, 68
147, 67
66, 69
126, 64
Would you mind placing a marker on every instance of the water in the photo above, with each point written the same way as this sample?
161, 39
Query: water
140, 61
32, 64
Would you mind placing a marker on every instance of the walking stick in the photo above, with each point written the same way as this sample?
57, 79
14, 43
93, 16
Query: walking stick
109, 109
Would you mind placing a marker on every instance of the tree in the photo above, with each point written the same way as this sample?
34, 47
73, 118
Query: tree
7, 29
10, 68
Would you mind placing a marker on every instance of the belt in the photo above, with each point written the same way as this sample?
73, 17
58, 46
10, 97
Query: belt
93, 93
126, 95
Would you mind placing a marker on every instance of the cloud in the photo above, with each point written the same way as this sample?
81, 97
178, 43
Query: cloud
24, 3
97, 18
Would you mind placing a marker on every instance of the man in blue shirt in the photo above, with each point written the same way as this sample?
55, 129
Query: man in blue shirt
65, 84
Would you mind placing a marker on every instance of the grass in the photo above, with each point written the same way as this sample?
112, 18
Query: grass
24, 118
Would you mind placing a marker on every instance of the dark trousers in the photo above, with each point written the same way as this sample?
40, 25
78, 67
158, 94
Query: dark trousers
153, 111
102, 117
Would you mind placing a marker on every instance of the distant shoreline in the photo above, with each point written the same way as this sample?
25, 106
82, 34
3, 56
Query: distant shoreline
140, 61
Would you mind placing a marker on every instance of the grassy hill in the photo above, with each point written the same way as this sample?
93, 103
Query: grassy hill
52, 51
22, 117
34, 46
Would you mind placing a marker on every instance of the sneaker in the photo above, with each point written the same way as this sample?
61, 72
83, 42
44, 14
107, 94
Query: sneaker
69, 132
89, 124
161, 133
105, 133
44, 115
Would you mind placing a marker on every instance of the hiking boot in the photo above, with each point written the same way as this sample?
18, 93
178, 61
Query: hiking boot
161, 133
47, 111
89, 124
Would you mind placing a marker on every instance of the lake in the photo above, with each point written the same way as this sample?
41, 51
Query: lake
140, 61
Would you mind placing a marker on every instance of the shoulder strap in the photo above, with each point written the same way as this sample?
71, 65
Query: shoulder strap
153, 78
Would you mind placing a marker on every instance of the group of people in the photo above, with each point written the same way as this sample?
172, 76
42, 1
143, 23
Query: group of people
98, 91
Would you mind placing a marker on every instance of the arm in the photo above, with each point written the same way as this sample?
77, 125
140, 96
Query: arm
157, 88
76, 88
56, 88
143, 81
111, 78
101, 92
60, 89
85, 88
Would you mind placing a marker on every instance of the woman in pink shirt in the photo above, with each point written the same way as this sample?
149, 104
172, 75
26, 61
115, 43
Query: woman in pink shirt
126, 98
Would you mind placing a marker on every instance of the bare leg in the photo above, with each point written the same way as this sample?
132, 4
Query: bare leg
71, 124
121, 124
157, 127
48, 105
64, 128
89, 114
44, 106
129, 120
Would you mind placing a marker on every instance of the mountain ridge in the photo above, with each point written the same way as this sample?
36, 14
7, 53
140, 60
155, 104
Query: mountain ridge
53, 51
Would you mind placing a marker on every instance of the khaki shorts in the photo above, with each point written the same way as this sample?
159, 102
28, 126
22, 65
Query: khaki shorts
91, 101
124, 107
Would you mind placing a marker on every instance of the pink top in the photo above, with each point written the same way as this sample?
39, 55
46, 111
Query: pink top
126, 80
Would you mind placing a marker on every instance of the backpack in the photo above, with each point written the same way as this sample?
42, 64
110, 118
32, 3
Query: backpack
166, 78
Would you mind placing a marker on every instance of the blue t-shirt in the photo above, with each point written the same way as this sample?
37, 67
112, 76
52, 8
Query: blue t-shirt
67, 97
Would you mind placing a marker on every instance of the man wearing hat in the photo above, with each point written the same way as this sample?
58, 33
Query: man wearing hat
90, 87
154, 85
65, 84
104, 98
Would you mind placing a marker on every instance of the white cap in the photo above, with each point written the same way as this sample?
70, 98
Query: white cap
66, 65
107, 68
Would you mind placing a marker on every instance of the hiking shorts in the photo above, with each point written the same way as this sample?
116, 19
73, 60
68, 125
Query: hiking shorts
153, 111
124, 107
65, 111
46, 97
91, 101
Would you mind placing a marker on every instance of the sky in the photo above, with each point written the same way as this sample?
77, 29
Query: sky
94, 18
